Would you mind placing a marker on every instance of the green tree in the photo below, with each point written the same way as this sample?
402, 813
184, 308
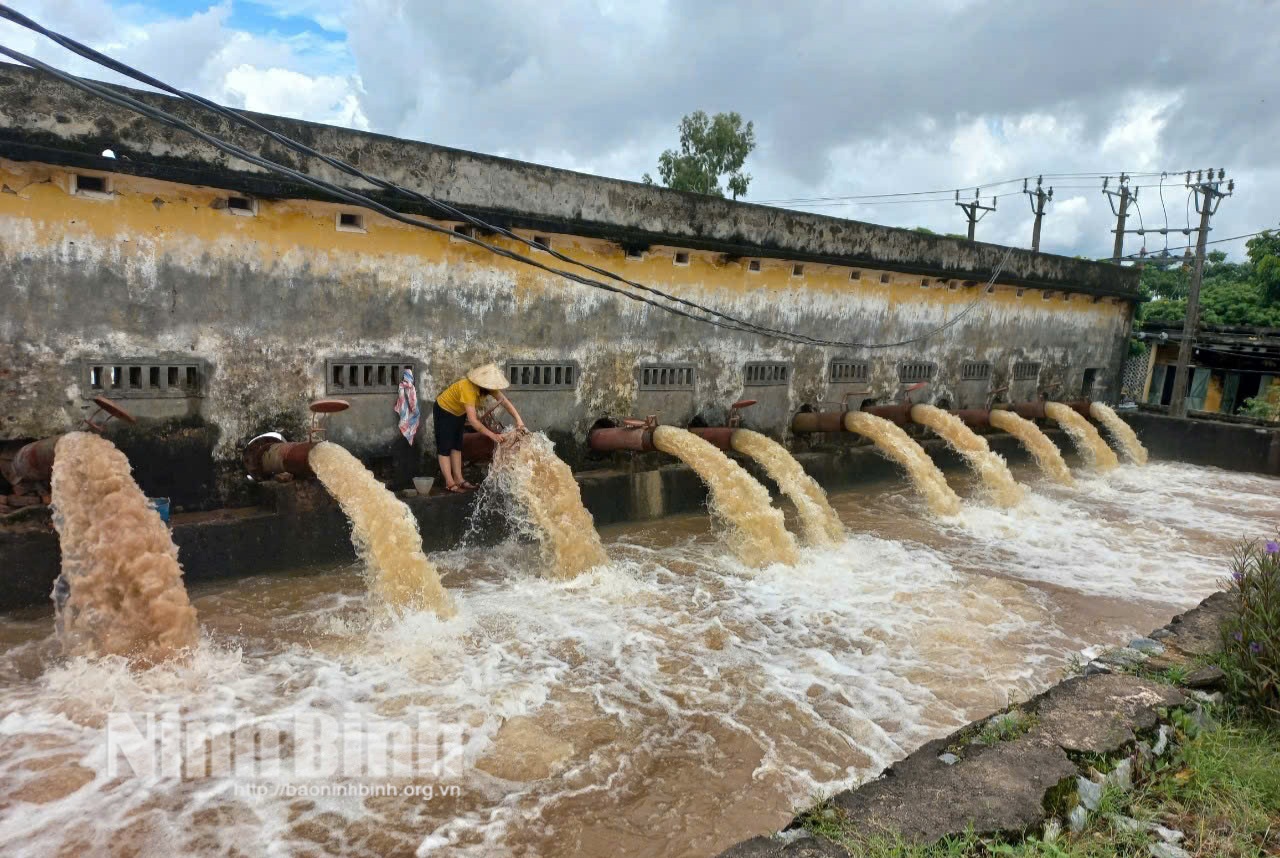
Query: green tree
1231, 293
710, 147
1264, 254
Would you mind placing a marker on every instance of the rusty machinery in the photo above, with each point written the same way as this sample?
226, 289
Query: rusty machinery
33, 463
270, 456
636, 435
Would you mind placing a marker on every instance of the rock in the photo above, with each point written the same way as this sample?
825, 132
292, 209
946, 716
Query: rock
1168, 835
1167, 850
803, 846
996, 789
1126, 824
1094, 668
1160, 634
1077, 819
1101, 714
948, 759
1090, 793
1052, 831
1214, 699
409, 493
1147, 645
1210, 676
1121, 777
1162, 740
1202, 720
1121, 659
1199, 631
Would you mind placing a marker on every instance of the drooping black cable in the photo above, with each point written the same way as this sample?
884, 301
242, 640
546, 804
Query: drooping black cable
132, 104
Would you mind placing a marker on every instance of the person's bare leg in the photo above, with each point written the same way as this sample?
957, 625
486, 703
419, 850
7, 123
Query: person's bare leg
456, 456
446, 471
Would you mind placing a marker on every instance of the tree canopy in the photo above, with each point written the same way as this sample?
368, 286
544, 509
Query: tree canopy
1244, 293
710, 147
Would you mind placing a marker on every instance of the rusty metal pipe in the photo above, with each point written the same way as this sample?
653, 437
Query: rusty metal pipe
269, 454
899, 412
33, 463
627, 438
817, 421
974, 418
1035, 410
719, 436
477, 447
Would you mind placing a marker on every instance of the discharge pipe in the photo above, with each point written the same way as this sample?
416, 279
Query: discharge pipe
722, 436
270, 455
633, 435
33, 463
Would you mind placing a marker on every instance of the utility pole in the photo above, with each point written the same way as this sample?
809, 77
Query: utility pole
1037, 198
971, 210
1121, 211
1209, 196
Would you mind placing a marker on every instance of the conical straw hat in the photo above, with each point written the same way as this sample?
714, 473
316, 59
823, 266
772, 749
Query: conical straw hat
489, 377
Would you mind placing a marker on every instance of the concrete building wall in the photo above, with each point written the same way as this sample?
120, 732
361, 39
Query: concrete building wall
157, 274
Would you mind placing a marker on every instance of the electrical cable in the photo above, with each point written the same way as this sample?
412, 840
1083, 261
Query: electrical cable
1134, 258
136, 106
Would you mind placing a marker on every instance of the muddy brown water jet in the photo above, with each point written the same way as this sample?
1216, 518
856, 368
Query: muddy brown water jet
543, 486
1000, 484
758, 533
126, 593
385, 534
819, 522
891, 440
1121, 431
1092, 448
1046, 453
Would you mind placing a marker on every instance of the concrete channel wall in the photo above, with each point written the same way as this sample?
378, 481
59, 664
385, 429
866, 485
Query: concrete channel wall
216, 300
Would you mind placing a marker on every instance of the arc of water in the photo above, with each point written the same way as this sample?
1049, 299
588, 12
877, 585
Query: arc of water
1000, 484
1043, 450
385, 534
543, 486
757, 532
1088, 442
891, 440
124, 584
819, 522
1121, 431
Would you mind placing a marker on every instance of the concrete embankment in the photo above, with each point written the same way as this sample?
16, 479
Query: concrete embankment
299, 525
998, 776
1216, 443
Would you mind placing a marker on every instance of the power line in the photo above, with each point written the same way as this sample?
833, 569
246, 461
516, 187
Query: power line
1136, 257
129, 103
951, 191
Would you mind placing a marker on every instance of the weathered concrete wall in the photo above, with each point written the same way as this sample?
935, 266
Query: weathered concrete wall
1217, 444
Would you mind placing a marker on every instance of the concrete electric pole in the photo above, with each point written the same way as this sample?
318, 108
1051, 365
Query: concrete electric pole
971, 210
1209, 195
1120, 210
1037, 198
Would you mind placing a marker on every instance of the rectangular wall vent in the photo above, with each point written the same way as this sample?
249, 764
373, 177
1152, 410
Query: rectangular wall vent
540, 375
975, 370
1026, 371
666, 376
765, 373
366, 375
849, 371
916, 370
143, 378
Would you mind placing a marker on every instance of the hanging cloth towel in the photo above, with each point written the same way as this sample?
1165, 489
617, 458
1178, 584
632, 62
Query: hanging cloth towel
407, 406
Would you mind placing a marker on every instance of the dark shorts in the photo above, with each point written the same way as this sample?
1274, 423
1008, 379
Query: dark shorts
448, 428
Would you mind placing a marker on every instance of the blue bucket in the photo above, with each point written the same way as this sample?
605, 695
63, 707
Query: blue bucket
161, 505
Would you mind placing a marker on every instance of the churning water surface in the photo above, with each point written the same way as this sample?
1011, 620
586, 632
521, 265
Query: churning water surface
669, 703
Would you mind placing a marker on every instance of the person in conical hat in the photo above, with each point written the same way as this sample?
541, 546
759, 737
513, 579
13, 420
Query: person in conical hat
456, 407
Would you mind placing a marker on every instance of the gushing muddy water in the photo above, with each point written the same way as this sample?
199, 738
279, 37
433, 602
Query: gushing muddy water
891, 440
528, 470
1044, 451
1088, 442
669, 703
1121, 431
818, 521
991, 467
756, 532
125, 593
385, 533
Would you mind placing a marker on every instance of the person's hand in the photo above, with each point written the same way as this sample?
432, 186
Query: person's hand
520, 427
495, 437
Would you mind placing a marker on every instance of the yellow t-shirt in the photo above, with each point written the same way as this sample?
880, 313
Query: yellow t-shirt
457, 396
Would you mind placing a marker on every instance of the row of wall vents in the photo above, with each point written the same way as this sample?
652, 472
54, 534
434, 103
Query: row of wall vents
765, 373
543, 375
144, 378
849, 371
370, 375
666, 377
1026, 371
974, 370
916, 370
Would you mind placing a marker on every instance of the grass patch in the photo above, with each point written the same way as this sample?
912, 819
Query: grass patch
1220, 787
1005, 727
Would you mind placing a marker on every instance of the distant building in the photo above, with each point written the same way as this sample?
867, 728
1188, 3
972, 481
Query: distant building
1229, 365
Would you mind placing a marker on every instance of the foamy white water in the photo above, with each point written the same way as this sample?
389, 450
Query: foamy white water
669, 703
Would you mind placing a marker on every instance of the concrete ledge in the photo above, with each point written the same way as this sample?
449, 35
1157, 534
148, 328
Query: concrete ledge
1233, 446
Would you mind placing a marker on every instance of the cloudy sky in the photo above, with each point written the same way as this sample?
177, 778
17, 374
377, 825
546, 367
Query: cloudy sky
848, 98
